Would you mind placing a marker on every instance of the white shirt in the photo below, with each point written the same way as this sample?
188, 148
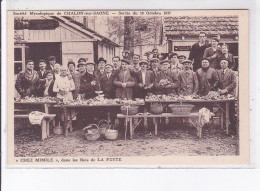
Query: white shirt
143, 76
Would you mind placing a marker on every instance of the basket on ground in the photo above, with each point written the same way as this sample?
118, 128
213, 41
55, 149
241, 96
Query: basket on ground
92, 132
156, 109
181, 109
111, 134
103, 126
129, 110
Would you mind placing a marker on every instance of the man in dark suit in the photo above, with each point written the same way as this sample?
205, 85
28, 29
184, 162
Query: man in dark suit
227, 78
144, 80
227, 85
107, 82
101, 68
42, 77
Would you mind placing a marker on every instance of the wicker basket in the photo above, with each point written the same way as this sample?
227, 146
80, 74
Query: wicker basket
103, 126
181, 109
111, 134
92, 132
156, 109
132, 110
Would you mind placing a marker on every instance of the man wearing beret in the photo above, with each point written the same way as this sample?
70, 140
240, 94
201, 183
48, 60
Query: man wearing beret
124, 81
207, 77
213, 53
166, 82
144, 80
188, 80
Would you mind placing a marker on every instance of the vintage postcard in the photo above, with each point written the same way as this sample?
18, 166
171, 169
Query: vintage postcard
128, 88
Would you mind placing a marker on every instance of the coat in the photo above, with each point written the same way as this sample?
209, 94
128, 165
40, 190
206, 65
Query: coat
50, 89
107, 86
42, 82
172, 77
214, 62
188, 83
27, 83
149, 82
85, 85
124, 77
227, 81
208, 80
61, 84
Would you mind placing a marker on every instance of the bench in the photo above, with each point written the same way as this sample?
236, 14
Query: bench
129, 118
45, 125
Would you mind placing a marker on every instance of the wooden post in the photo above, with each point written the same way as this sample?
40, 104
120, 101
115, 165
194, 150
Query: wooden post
46, 108
44, 129
65, 122
221, 119
48, 127
155, 125
131, 128
227, 118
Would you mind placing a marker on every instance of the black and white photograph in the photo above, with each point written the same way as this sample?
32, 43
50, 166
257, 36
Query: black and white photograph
111, 85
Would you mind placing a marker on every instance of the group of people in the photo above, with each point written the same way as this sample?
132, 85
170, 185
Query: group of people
208, 68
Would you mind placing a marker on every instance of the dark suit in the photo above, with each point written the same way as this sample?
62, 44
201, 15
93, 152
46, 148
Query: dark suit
149, 80
107, 85
214, 62
85, 85
42, 82
124, 77
227, 80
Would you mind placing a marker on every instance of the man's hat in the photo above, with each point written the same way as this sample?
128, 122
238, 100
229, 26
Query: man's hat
51, 58
154, 60
108, 65
223, 59
182, 56
82, 59
125, 60
165, 61
101, 59
187, 61
143, 62
89, 63
204, 59
216, 39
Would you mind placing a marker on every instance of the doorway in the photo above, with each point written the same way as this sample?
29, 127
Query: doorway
43, 50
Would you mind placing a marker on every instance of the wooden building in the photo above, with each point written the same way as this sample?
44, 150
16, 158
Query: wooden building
63, 37
181, 32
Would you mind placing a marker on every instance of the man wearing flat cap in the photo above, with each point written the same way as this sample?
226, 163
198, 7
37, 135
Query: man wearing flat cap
166, 82
213, 53
188, 81
207, 77
144, 80
124, 81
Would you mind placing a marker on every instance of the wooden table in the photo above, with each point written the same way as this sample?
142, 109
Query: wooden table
45, 104
68, 123
129, 118
223, 105
45, 125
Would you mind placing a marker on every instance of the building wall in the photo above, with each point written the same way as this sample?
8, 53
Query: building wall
73, 51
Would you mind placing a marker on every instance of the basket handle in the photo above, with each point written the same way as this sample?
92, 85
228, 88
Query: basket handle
91, 125
103, 120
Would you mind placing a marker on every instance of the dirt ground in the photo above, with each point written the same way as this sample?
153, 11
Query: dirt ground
173, 141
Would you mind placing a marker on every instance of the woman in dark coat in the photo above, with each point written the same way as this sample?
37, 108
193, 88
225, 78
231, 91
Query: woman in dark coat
27, 81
